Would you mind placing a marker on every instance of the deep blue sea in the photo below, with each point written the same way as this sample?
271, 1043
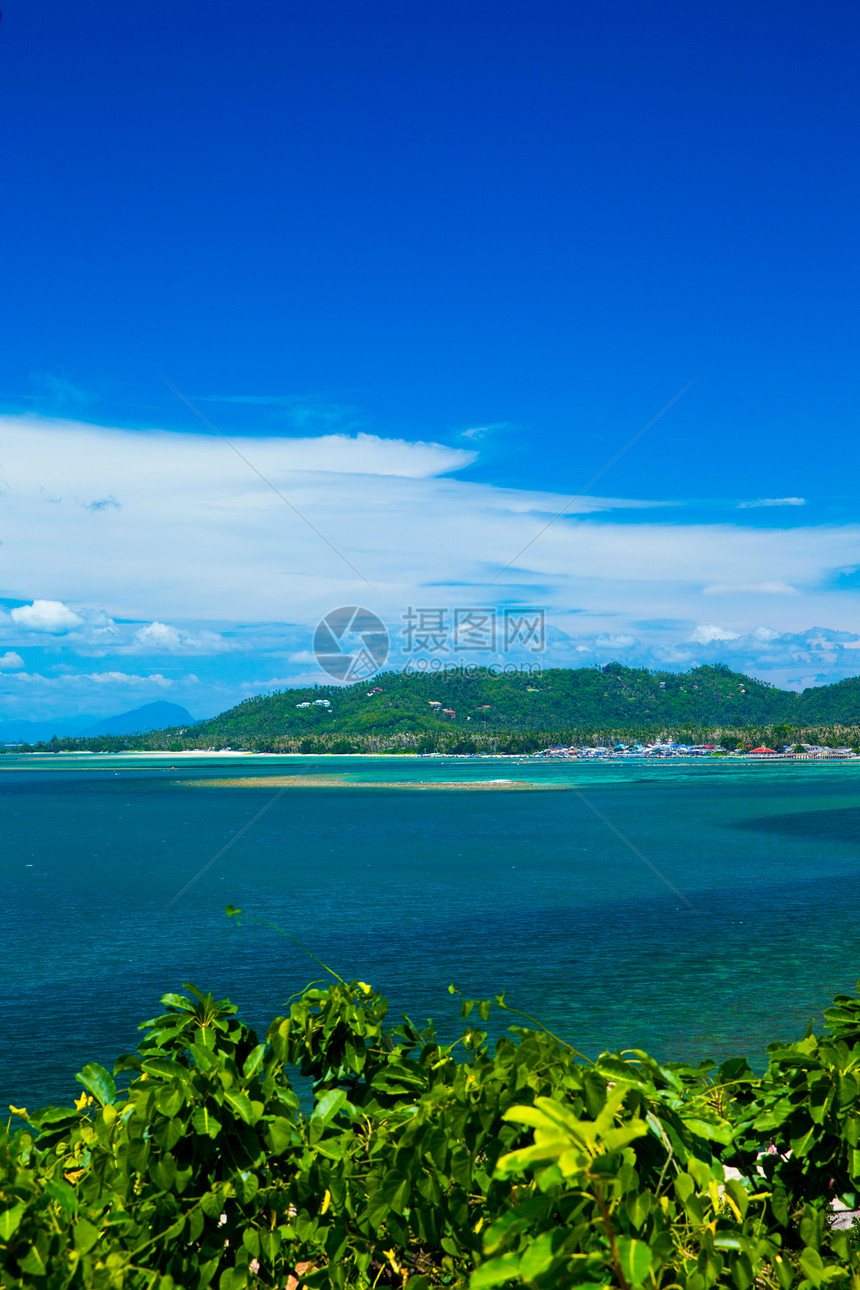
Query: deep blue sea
529, 893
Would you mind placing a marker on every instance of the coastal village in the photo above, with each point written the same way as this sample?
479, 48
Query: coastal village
659, 749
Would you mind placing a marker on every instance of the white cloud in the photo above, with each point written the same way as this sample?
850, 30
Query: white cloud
125, 678
705, 633
50, 616
765, 634
10, 661
201, 544
772, 501
74, 680
157, 637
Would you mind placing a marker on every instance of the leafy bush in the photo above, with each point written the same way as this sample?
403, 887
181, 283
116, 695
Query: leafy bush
422, 1164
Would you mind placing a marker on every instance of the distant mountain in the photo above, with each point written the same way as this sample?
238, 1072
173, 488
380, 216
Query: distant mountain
33, 732
152, 716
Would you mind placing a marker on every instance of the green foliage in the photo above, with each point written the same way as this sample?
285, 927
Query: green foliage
514, 713
420, 1164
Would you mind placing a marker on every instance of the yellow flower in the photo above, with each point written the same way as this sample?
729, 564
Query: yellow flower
19, 1110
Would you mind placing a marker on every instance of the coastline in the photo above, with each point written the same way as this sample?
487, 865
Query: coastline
228, 755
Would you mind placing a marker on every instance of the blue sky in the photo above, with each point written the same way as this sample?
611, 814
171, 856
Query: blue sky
432, 267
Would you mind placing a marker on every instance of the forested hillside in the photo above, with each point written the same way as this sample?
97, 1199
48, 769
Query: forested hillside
559, 698
469, 711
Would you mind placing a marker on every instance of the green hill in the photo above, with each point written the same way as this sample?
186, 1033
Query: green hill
469, 711
560, 698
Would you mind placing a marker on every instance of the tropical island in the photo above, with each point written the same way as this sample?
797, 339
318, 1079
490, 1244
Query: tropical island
474, 711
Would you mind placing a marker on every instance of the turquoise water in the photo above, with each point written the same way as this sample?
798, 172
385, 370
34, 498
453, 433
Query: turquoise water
524, 892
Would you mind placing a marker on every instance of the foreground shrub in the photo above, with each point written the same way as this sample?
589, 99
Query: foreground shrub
422, 1164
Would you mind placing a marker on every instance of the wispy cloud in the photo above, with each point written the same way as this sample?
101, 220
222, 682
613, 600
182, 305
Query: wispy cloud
56, 392
202, 559
772, 501
66, 680
309, 413
477, 433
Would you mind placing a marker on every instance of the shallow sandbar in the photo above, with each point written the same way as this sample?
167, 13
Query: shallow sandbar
339, 781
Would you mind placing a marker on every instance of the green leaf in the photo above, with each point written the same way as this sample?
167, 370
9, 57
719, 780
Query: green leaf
163, 1172
254, 1061
739, 1195
495, 1273
99, 1082
212, 1203
177, 1001
85, 1235
34, 1261
205, 1123
634, 1258
127, 1062
395, 1190
540, 1255
246, 1185
166, 1067
329, 1105
10, 1221
810, 1261
241, 1104
378, 1209
803, 1141
282, 1134
62, 1193
169, 1099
